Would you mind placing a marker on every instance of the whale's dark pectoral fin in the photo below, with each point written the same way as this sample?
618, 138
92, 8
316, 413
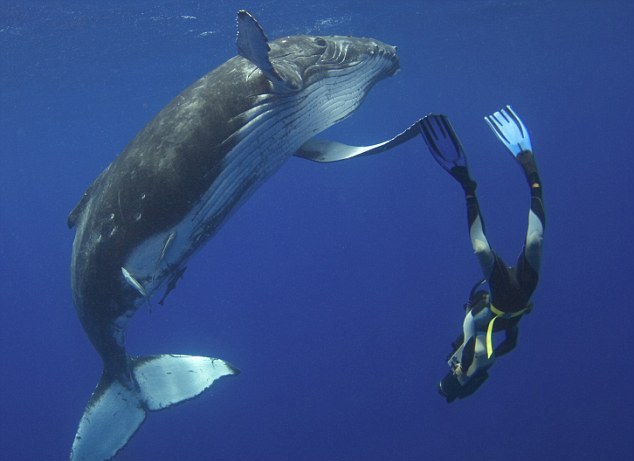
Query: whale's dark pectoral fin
115, 412
254, 46
252, 42
321, 150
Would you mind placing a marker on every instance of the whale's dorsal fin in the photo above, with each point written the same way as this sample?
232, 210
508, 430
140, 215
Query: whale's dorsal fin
254, 46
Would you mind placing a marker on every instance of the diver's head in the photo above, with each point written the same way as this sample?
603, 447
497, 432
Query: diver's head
451, 389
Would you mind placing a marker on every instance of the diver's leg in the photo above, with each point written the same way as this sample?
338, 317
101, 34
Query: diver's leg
479, 242
512, 132
445, 147
536, 216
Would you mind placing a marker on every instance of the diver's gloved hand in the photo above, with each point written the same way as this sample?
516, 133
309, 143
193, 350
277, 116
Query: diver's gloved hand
509, 129
445, 147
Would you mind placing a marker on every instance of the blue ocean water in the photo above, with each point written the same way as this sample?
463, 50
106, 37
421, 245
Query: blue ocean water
337, 288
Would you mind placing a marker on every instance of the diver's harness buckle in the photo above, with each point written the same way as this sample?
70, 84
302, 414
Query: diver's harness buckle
500, 314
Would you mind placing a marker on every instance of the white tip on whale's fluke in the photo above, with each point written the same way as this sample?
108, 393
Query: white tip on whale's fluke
168, 379
116, 410
112, 416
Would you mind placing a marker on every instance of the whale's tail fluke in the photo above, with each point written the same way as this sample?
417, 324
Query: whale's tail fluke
117, 409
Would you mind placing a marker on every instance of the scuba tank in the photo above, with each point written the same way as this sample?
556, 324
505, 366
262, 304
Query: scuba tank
478, 297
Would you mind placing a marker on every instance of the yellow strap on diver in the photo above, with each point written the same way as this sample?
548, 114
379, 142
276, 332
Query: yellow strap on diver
498, 313
490, 337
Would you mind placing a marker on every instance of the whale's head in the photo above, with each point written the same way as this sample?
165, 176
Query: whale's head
307, 60
338, 71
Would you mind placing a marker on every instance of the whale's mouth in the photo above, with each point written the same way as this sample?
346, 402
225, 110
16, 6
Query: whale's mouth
390, 53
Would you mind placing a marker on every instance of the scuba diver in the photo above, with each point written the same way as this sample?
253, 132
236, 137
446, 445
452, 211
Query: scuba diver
500, 307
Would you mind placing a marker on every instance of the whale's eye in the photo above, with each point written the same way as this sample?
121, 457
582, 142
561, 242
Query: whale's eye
320, 41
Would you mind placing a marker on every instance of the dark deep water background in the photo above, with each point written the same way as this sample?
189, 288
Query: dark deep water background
336, 289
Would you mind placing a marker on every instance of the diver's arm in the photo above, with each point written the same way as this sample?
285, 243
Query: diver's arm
509, 342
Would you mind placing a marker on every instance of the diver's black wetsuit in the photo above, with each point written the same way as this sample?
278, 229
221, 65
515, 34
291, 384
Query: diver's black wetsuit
510, 288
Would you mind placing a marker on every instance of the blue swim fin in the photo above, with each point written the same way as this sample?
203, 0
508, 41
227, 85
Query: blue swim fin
509, 129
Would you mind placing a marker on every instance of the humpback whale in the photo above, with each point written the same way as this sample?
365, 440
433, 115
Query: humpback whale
175, 184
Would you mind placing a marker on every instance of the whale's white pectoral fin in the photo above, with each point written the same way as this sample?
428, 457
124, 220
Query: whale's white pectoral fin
116, 410
321, 150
